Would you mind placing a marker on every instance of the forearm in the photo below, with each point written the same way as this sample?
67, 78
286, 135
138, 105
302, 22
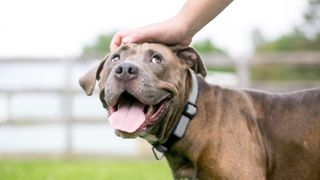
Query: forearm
195, 14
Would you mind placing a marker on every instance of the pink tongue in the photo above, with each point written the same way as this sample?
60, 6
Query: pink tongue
129, 117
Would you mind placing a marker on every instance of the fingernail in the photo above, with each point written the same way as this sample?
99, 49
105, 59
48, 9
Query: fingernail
127, 40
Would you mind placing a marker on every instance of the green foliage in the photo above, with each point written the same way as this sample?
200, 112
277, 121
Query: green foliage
285, 73
99, 47
312, 15
221, 69
294, 41
305, 37
206, 46
83, 170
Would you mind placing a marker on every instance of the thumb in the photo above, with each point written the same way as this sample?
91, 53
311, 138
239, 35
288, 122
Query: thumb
116, 40
127, 39
134, 37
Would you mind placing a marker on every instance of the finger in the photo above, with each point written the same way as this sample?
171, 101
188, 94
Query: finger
127, 39
136, 36
132, 37
116, 41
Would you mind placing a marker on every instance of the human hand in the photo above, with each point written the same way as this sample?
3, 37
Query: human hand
169, 32
178, 30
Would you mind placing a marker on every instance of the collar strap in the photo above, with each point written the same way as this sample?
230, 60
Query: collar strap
190, 108
189, 111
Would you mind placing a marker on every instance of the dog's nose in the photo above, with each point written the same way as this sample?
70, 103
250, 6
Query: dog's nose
126, 71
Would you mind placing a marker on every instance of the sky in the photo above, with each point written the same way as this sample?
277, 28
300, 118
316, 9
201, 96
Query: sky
61, 28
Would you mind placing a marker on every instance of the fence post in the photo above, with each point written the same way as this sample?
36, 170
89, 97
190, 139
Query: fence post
67, 108
9, 107
242, 69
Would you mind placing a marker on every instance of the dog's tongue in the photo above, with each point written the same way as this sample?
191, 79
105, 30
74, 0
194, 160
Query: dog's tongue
129, 117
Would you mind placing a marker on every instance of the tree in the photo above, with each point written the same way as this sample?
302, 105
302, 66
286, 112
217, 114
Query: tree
257, 38
100, 46
293, 41
206, 46
305, 37
312, 18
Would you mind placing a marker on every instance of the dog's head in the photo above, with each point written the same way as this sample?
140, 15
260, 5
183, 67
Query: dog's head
144, 87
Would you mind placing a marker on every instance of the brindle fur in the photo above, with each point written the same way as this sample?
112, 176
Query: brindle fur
236, 134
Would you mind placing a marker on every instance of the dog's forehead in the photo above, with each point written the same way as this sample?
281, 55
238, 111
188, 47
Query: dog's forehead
145, 49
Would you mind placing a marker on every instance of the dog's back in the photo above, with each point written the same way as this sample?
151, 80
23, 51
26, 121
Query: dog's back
290, 127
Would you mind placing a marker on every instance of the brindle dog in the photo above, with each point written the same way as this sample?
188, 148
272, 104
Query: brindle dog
236, 134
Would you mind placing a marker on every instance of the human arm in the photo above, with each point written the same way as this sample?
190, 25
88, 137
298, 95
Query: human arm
179, 30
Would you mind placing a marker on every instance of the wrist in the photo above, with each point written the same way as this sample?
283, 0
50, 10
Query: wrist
183, 26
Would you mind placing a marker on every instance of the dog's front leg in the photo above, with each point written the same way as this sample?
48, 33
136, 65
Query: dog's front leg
181, 168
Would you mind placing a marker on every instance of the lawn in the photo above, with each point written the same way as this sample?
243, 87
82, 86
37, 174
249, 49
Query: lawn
84, 170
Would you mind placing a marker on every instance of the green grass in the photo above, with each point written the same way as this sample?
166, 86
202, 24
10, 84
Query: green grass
83, 170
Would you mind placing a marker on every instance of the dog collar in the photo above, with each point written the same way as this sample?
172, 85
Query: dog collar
189, 111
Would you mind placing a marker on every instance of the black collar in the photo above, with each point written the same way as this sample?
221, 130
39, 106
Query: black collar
189, 111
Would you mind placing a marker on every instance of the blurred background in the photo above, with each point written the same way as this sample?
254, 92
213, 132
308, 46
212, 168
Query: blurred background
46, 121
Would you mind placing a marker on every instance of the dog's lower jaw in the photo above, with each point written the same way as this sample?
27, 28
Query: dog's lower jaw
150, 138
125, 135
142, 134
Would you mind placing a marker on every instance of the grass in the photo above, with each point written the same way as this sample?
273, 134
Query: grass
83, 170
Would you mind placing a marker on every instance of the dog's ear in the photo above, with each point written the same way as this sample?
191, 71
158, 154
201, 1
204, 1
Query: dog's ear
88, 80
192, 58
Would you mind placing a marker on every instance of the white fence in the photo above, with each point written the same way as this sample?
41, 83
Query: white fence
44, 111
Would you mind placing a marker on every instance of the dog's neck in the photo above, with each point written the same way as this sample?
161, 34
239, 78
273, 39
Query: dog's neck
190, 109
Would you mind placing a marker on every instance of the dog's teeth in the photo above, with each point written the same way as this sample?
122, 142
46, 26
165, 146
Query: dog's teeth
118, 107
150, 110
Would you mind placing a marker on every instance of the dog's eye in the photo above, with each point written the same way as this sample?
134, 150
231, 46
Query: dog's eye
156, 59
115, 58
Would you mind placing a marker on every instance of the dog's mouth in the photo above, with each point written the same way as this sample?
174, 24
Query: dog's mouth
130, 115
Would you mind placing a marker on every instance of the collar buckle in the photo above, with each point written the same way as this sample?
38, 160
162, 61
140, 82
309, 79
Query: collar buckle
190, 110
161, 149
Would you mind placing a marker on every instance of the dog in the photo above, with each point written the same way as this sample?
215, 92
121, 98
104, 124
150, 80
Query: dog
207, 132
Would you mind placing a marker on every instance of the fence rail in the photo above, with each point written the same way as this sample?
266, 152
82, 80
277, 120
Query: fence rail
68, 92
